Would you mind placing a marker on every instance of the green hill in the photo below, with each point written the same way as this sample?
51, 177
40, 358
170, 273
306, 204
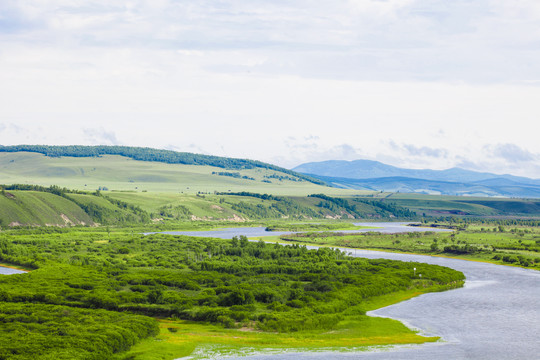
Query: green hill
27, 205
30, 208
140, 184
121, 173
155, 155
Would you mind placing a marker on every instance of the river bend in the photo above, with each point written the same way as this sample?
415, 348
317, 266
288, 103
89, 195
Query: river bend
494, 316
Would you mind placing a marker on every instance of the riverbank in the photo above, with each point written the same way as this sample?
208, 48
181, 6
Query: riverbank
193, 340
514, 247
12, 267
494, 316
396, 251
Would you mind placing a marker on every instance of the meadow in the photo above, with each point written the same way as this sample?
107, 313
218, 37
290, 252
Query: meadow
120, 173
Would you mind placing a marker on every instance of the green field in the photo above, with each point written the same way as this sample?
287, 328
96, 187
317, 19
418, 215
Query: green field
124, 174
159, 187
443, 205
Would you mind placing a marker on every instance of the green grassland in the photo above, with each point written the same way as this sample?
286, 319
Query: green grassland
442, 205
40, 208
125, 174
170, 188
28, 205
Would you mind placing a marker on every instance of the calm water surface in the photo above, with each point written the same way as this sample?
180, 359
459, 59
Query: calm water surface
228, 233
495, 316
9, 271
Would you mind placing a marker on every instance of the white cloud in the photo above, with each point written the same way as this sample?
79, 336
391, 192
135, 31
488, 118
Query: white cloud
100, 136
511, 153
274, 80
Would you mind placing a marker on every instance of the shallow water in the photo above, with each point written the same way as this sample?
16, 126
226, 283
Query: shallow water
228, 233
9, 271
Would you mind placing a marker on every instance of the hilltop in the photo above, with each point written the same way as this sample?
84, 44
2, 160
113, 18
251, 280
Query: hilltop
120, 168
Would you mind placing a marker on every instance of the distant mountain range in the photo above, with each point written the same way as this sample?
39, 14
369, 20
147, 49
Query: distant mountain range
374, 175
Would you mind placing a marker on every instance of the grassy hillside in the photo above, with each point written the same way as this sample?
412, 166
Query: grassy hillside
182, 192
155, 155
437, 205
125, 174
252, 206
24, 205
40, 208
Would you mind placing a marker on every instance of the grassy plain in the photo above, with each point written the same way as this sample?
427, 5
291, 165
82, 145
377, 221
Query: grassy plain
203, 341
124, 174
152, 185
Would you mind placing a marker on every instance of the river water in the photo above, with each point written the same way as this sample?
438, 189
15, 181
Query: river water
494, 316
228, 233
9, 271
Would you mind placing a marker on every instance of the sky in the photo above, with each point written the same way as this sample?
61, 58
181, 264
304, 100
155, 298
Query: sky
411, 83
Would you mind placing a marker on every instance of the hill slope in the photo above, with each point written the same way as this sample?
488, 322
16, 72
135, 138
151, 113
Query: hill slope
31, 208
156, 155
115, 172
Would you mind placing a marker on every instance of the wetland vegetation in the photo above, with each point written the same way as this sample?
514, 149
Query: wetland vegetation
511, 241
129, 279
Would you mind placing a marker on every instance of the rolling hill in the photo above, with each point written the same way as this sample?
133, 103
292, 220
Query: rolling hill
36, 208
141, 169
66, 186
376, 176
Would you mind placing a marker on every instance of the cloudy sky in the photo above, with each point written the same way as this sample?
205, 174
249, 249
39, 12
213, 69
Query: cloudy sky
412, 83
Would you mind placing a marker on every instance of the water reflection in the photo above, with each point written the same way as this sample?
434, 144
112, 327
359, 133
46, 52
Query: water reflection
228, 233
8, 271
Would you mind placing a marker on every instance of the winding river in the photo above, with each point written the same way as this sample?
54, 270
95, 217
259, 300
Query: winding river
495, 316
